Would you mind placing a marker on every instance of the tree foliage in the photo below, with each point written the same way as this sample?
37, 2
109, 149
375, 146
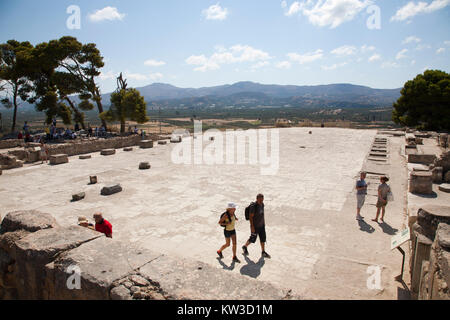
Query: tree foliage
14, 67
126, 104
425, 102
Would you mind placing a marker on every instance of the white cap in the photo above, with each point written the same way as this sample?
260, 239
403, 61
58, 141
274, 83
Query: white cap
231, 205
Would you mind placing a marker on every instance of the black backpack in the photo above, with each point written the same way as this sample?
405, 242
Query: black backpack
247, 210
229, 218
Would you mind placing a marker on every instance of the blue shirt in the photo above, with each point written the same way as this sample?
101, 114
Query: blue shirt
359, 184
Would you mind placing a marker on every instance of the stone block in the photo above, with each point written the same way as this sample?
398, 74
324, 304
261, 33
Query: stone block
437, 174
421, 158
162, 142
146, 144
103, 262
445, 187
128, 149
112, 189
78, 196
421, 182
37, 249
85, 157
28, 220
108, 152
93, 179
178, 139
447, 177
59, 159
120, 293
420, 254
144, 166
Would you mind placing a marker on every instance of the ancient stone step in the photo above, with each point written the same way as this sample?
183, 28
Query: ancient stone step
93, 179
162, 142
85, 157
144, 166
128, 149
108, 152
78, 196
59, 159
445, 187
112, 189
146, 144
421, 182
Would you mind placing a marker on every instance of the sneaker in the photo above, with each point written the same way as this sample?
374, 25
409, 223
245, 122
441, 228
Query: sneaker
235, 259
245, 250
220, 254
265, 255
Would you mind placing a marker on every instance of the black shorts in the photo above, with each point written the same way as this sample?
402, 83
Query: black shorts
228, 234
261, 232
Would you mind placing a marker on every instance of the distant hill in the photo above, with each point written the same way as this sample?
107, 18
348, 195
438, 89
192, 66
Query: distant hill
256, 94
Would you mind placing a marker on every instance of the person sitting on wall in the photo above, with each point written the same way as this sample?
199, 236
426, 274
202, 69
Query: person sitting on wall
20, 135
102, 225
83, 222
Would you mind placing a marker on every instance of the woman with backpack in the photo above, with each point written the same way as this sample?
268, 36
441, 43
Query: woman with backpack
228, 220
384, 192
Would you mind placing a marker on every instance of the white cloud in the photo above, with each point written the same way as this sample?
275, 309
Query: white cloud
374, 57
411, 39
260, 64
330, 13
334, 66
156, 76
412, 9
108, 75
135, 76
344, 51
293, 9
389, 64
283, 4
307, 57
422, 47
401, 54
366, 48
440, 50
447, 43
215, 12
413, 62
154, 63
107, 13
234, 54
283, 65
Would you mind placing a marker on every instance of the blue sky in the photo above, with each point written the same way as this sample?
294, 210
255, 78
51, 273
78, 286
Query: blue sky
203, 43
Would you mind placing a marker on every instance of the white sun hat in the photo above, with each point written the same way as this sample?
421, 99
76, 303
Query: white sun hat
231, 205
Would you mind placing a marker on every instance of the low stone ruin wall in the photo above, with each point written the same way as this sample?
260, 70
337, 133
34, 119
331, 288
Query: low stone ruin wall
11, 143
430, 254
41, 260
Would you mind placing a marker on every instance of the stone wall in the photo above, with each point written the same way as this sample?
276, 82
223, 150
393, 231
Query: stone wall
41, 260
430, 257
11, 143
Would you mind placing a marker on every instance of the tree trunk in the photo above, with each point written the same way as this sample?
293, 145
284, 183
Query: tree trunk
122, 126
15, 109
98, 100
76, 112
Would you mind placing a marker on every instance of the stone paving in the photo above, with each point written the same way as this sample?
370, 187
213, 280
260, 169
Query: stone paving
318, 249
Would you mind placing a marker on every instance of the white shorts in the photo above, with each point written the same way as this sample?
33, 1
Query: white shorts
360, 199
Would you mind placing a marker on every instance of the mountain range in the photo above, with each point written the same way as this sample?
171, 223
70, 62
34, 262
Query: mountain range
251, 94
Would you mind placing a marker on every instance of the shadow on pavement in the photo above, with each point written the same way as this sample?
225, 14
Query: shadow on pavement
364, 226
388, 229
230, 267
252, 269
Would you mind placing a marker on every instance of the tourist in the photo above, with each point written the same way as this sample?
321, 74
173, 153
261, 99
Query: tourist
228, 220
383, 191
43, 152
77, 127
136, 131
257, 225
361, 192
20, 135
83, 222
26, 127
90, 131
47, 133
102, 225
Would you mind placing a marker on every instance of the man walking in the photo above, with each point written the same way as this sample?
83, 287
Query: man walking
361, 192
257, 225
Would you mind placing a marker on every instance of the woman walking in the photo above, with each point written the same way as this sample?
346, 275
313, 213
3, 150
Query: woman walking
383, 191
228, 220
